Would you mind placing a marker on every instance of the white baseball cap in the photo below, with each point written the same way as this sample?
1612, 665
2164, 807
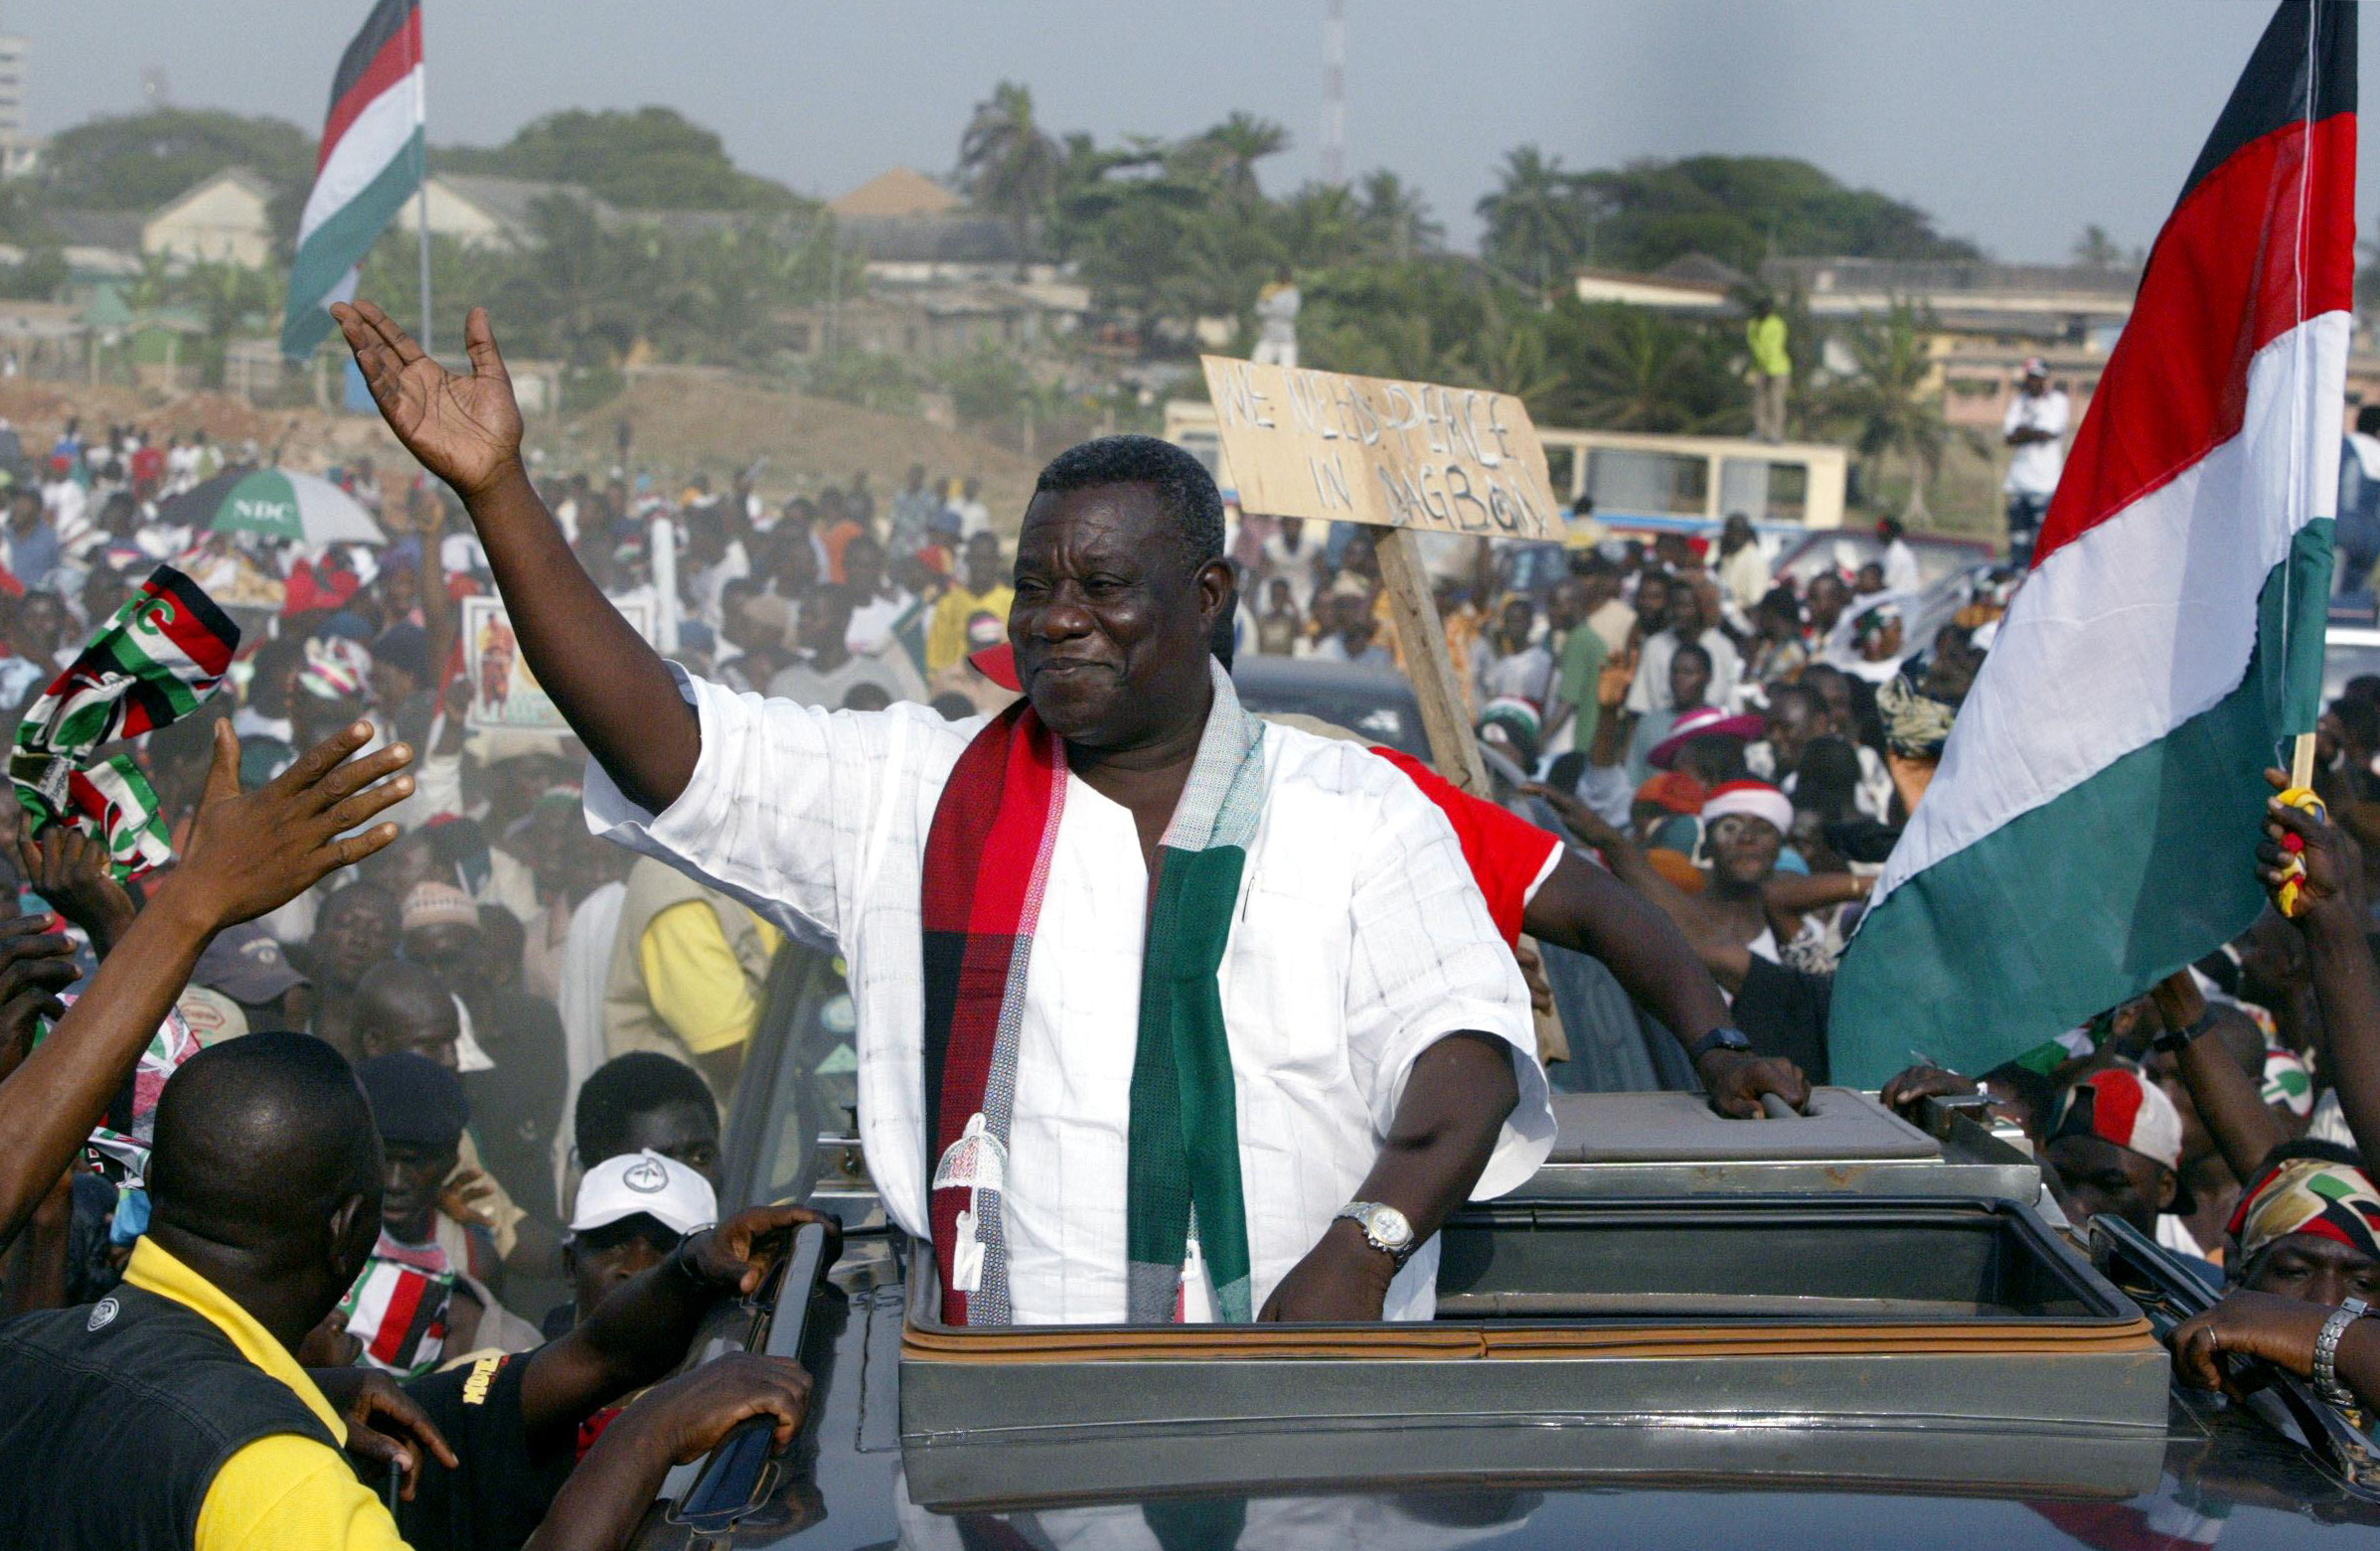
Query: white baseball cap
662, 1188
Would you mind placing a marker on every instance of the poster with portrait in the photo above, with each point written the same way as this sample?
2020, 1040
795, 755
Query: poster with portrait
505, 695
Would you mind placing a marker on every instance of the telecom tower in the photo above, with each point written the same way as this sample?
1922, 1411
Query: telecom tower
1334, 97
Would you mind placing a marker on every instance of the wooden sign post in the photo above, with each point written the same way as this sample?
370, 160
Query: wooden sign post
1404, 456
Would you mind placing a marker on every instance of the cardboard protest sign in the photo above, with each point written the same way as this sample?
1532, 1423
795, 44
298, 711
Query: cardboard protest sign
1359, 449
505, 695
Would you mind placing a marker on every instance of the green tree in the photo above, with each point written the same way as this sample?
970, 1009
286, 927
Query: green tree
2096, 248
1226, 155
1744, 210
647, 158
1396, 219
1892, 399
138, 161
1536, 221
1009, 165
1635, 370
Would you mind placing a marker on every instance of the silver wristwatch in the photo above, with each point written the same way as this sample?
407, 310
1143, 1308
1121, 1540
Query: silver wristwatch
1384, 1229
2325, 1353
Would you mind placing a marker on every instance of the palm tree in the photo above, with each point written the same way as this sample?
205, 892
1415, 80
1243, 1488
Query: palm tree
1893, 399
1321, 225
1397, 218
1009, 165
1226, 155
1642, 371
1536, 218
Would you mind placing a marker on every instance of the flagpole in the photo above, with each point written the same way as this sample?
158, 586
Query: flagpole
421, 181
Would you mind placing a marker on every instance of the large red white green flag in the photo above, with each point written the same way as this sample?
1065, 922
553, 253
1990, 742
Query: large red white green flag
2093, 822
370, 164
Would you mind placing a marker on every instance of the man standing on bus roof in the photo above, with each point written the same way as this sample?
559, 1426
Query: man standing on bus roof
1053, 917
2035, 428
1772, 371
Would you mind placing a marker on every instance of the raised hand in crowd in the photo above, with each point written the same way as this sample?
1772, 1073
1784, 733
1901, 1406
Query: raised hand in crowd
2230, 1103
36, 964
609, 684
70, 869
2346, 979
2281, 1330
1619, 918
386, 1430
467, 1196
248, 853
671, 1424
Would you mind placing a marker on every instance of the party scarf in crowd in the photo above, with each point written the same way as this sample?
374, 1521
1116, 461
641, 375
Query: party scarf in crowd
153, 662
2329, 1200
398, 1306
987, 861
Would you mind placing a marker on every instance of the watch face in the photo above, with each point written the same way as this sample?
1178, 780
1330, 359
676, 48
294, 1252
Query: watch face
1389, 1226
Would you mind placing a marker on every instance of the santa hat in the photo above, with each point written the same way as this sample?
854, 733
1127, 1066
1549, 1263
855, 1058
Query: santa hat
1751, 800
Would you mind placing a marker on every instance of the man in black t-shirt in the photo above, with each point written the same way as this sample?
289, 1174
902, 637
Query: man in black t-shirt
515, 1419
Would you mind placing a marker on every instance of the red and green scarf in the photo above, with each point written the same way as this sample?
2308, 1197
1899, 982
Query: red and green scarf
987, 861
153, 662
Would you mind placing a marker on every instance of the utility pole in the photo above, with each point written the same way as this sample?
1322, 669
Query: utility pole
1335, 100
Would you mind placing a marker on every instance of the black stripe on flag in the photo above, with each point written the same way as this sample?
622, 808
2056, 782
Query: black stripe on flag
2273, 91
387, 20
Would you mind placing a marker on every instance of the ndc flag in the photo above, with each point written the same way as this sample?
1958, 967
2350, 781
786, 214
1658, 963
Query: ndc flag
2094, 823
370, 164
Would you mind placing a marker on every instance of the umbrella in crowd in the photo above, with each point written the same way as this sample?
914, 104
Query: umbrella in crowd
277, 503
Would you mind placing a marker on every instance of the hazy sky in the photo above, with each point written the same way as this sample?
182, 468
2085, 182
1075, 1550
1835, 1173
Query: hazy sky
2015, 121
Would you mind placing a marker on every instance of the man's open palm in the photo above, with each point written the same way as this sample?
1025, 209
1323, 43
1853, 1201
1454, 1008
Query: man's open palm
466, 430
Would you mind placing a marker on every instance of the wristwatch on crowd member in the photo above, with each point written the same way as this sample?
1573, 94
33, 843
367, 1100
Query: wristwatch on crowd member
1384, 1229
2325, 1353
1722, 1039
2173, 1042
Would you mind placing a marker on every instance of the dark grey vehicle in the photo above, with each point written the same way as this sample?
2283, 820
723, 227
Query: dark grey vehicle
1837, 1331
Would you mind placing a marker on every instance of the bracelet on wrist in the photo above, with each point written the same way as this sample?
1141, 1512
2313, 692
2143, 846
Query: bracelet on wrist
2173, 1042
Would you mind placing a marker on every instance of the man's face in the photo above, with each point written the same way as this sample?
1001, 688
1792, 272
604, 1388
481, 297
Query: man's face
1743, 849
1653, 601
1568, 605
381, 1033
1827, 599
38, 620
1689, 680
401, 591
1515, 622
684, 1132
864, 565
1791, 727
826, 620
450, 951
2316, 1269
411, 1174
1834, 692
600, 1259
1686, 613
1110, 625
2035, 386
983, 563
2101, 1177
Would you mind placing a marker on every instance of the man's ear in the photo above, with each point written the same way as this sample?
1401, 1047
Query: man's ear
351, 1233
1217, 591
2169, 1186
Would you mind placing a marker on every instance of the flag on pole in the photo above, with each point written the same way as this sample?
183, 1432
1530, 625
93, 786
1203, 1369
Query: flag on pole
370, 164
2093, 822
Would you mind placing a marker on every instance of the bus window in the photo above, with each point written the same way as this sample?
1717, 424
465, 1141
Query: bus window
1658, 483
1561, 473
1767, 490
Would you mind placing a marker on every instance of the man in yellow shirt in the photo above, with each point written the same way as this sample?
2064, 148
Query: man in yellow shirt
1772, 371
982, 588
689, 972
264, 1193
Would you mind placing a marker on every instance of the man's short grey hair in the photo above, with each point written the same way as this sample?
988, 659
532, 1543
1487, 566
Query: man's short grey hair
1185, 492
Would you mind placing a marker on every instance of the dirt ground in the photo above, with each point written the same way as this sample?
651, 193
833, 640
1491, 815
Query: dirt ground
679, 427
685, 425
